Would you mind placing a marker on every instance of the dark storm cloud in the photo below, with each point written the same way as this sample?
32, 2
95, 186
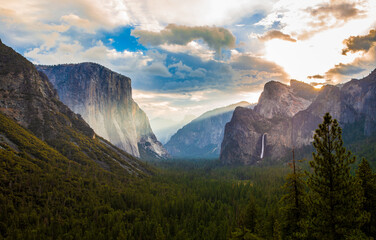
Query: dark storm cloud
215, 37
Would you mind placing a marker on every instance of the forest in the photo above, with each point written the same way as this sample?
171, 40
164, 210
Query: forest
43, 195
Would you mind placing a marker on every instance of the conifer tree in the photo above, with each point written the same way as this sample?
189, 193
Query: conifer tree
335, 197
293, 208
250, 215
368, 181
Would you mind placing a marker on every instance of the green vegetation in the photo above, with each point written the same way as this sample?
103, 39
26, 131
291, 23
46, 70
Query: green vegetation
335, 196
47, 195
293, 206
368, 182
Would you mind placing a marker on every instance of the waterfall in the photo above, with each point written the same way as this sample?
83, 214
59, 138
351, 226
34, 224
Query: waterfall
262, 146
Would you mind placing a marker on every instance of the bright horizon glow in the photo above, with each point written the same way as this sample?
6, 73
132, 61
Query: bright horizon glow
315, 55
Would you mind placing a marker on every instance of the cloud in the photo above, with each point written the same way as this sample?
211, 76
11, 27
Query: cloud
356, 69
178, 105
198, 73
360, 43
192, 48
342, 11
345, 69
153, 15
74, 20
273, 34
305, 19
158, 69
180, 67
215, 37
317, 76
74, 52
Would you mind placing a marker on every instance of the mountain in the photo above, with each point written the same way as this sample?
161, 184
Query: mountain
104, 99
28, 98
353, 104
165, 128
202, 137
286, 117
280, 100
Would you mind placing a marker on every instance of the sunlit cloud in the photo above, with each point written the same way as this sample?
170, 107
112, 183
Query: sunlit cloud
317, 76
360, 43
340, 10
359, 68
192, 48
275, 34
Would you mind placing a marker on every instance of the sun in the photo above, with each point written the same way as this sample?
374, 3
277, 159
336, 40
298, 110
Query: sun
313, 56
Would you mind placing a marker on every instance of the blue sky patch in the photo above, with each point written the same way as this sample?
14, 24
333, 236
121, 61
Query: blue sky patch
121, 39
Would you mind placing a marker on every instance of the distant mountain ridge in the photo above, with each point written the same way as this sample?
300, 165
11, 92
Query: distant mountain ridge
286, 117
165, 128
104, 99
202, 137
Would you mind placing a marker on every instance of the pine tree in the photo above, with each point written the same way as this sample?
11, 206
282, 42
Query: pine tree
368, 181
335, 197
250, 215
293, 208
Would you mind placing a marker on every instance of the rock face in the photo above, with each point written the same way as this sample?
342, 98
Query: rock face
242, 142
280, 100
28, 97
104, 99
288, 116
271, 118
202, 137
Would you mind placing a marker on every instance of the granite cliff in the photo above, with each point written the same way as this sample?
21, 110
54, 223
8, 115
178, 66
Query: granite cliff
286, 117
104, 99
28, 98
202, 137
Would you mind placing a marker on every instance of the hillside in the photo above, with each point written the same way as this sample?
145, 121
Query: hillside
27, 97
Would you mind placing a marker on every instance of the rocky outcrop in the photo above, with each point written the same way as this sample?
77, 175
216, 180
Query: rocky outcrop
305, 122
28, 97
280, 100
289, 115
104, 99
358, 98
242, 143
272, 117
202, 137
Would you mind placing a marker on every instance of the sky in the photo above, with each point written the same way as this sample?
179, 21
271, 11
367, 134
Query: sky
188, 57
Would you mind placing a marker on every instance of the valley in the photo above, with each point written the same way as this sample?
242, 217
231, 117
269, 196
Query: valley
185, 132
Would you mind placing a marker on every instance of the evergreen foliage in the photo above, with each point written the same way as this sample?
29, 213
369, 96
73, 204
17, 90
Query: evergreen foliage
368, 183
49, 194
335, 197
293, 208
